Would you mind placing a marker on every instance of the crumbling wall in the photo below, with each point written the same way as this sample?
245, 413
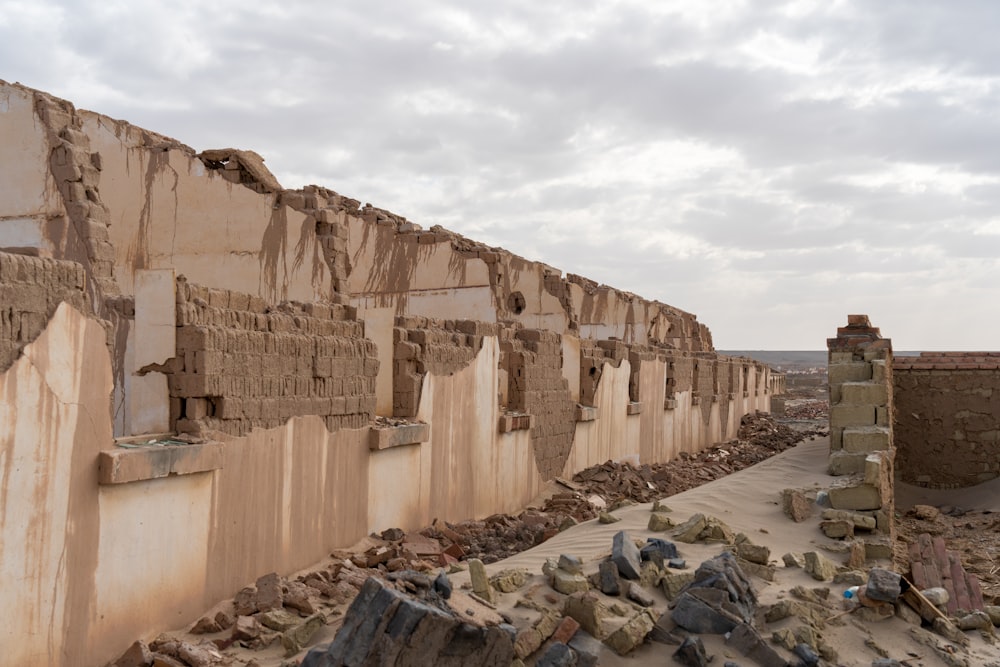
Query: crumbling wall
425, 345
242, 364
947, 418
533, 359
31, 288
862, 446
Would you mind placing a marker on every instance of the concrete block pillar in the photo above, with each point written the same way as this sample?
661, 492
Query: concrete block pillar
862, 450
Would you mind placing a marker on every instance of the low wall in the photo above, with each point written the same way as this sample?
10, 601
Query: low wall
947, 418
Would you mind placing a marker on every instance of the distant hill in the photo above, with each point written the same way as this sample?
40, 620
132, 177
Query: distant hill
783, 358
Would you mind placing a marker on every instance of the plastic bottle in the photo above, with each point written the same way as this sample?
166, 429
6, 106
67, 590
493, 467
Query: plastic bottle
851, 597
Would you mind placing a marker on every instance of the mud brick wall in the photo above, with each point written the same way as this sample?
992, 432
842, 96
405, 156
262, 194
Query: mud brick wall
242, 364
31, 288
947, 418
593, 355
533, 358
423, 345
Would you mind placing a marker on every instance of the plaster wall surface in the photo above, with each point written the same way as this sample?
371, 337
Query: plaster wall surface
53, 408
168, 211
27, 189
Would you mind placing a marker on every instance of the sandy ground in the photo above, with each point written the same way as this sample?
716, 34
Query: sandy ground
749, 502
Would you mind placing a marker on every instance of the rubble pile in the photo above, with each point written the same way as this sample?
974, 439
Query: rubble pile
807, 410
611, 485
274, 611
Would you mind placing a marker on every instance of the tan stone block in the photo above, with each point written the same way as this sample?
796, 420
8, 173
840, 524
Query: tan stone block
864, 393
855, 371
842, 416
859, 439
845, 463
857, 496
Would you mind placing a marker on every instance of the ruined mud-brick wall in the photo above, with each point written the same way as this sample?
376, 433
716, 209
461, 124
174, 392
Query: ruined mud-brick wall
533, 359
242, 364
947, 418
30, 290
424, 345
862, 449
535, 390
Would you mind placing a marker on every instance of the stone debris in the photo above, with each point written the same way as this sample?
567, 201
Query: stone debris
387, 626
718, 599
626, 555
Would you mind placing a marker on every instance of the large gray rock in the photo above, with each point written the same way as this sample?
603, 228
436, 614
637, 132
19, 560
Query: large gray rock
747, 641
626, 555
719, 599
883, 585
386, 626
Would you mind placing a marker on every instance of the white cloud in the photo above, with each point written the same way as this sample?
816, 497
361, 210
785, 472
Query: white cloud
770, 166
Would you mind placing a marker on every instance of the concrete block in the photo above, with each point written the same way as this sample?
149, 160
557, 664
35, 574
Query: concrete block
120, 466
854, 371
858, 439
855, 497
864, 393
880, 371
398, 436
842, 416
844, 463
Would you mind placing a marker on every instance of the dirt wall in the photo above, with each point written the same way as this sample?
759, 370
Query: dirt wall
947, 418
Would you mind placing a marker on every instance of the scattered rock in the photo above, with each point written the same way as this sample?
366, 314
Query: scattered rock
247, 628
294, 639
720, 598
747, 641
639, 595
837, 529
557, 655
883, 585
689, 531
480, 582
806, 654
568, 583
754, 553
381, 623
571, 564
691, 652
278, 620
587, 649
608, 578
819, 566
587, 610
936, 596
442, 585
795, 505
137, 655
269, 595
508, 581
659, 522
925, 512
624, 640
626, 555
793, 560
607, 517
977, 620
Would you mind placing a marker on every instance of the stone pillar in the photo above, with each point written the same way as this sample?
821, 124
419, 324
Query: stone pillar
861, 441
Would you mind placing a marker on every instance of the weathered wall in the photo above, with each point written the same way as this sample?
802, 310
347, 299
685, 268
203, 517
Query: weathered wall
862, 444
190, 292
947, 418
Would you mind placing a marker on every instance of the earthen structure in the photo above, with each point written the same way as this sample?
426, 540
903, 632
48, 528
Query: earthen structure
948, 415
205, 377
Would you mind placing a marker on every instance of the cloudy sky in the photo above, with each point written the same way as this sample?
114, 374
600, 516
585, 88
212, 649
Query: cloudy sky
769, 165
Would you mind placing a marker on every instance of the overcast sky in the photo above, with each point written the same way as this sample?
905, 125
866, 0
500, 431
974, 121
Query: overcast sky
770, 166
